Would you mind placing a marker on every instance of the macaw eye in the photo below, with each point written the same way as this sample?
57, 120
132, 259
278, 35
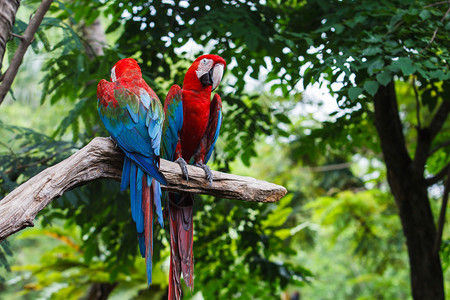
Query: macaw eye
204, 61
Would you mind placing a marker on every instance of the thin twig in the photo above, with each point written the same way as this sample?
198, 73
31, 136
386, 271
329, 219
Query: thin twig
417, 102
36, 163
437, 3
25, 42
20, 37
435, 31
441, 222
438, 177
445, 144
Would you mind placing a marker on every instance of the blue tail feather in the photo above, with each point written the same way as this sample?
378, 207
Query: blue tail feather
125, 182
149, 180
157, 201
149, 271
133, 191
139, 214
149, 166
141, 241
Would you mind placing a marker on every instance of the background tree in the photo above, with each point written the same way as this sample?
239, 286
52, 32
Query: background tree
386, 66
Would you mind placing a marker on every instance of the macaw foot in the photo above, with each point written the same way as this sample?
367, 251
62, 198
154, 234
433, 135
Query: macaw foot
207, 170
183, 166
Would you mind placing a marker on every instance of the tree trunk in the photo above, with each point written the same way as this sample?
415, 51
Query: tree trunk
100, 290
408, 185
8, 10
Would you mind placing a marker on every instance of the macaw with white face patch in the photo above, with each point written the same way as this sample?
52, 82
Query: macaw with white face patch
134, 116
191, 128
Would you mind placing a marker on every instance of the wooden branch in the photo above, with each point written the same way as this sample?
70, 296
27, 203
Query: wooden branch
101, 159
435, 31
438, 177
441, 222
390, 129
25, 42
435, 149
8, 10
426, 135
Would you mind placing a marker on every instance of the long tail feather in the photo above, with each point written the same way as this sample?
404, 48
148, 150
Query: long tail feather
181, 239
145, 193
147, 207
156, 199
125, 182
175, 260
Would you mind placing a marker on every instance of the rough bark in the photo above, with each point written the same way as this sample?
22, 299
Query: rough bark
95, 37
8, 10
408, 185
101, 159
25, 41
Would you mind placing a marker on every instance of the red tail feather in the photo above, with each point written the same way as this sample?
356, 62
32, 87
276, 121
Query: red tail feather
181, 240
147, 207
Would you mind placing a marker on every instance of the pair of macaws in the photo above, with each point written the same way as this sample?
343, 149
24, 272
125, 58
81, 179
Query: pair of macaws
184, 131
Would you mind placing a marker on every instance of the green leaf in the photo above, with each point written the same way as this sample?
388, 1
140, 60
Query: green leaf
354, 92
339, 28
424, 14
371, 87
405, 64
283, 118
375, 66
384, 77
372, 51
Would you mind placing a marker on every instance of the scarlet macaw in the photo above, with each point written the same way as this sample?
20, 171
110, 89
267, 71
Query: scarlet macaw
190, 132
134, 116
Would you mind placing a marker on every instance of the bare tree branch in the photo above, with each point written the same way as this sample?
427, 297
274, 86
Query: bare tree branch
426, 135
419, 125
437, 3
101, 159
441, 222
443, 145
438, 177
435, 31
25, 42
8, 10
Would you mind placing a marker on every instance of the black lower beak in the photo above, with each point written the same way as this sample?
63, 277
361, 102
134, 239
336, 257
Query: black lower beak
207, 79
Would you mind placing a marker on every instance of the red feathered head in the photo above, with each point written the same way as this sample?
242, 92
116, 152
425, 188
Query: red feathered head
205, 73
124, 66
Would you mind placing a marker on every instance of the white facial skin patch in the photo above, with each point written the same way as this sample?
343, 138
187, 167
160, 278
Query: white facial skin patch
204, 66
113, 74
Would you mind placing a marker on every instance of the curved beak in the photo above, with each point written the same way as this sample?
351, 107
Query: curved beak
207, 78
217, 73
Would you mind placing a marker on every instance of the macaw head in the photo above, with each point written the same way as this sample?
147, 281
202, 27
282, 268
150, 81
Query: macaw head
205, 73
124, 66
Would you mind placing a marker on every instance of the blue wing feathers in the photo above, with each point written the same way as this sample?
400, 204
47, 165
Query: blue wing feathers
173, 122
216, 135
148, 166
145, 98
